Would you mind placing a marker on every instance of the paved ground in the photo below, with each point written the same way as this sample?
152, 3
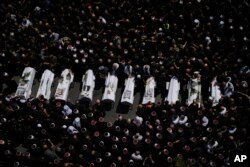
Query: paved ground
75, 91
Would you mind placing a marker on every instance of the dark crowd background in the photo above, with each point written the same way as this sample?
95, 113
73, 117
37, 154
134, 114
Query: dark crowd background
158, 38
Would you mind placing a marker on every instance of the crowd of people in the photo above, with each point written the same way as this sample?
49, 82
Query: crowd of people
143, 38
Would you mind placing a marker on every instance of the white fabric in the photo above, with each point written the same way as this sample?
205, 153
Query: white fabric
62, 89
194, 91
128, 93
232, 130
72, 130
205, 121
136, 157
66, 110
224, 111
183, 121
173, 90
45, 84
77, 122
88, 86
138, 120
176, 121
128, 69
215, 144
110, 88
215, 92
229, 89
149, 95
138, 137
26, 82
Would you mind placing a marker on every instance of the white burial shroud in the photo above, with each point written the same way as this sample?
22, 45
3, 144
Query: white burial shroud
215, 92
128, 93
88, 86
194, 91
173, 90
45, 84
149, 95
110, 88
26, 82
64, 82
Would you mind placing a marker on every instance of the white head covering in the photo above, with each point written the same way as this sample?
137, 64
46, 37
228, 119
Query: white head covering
205, 121
72, 130
176, 120
22, 100
138, 120
232, 130
224, 111
183, 119
64, 126
115, 66
66, 110
77, 122
39, 125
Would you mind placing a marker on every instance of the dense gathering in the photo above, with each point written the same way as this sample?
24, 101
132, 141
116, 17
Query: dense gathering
126, 38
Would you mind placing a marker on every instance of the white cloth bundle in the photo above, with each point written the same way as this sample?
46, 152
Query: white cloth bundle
26, 82
88, 86
194, 91
62, 89
128, 93
45, 84
149, 95
110, 88
173, 90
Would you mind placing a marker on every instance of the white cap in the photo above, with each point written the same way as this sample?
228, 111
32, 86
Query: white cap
4, 120
221, 22
22, 100
208, 38
39, 125
64, 126
84, 39
89, 34
5, 74
196, 21
77, 119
